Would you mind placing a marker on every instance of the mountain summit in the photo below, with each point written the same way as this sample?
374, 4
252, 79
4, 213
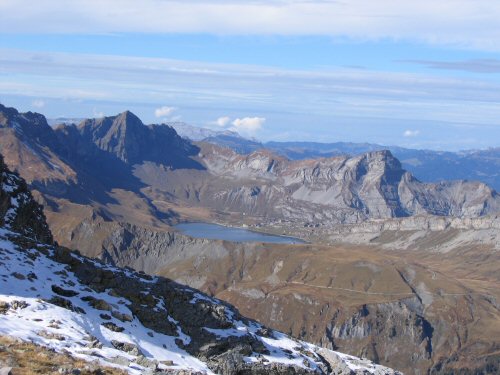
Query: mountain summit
127, 138
123, 135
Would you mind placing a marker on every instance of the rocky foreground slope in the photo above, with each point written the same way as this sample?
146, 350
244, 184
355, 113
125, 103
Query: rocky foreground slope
56, 298
431, 307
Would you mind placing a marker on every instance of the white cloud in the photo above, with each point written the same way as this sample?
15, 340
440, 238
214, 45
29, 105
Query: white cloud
457, 22
248, 125
223, 121
97, 114
38, 103
411, 133
164, 111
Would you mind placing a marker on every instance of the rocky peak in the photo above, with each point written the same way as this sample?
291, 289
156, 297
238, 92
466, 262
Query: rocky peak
378, 163
30, 127
9, 117
122, 135
129, 117
18, 210
128, 139
128, 124
6, 113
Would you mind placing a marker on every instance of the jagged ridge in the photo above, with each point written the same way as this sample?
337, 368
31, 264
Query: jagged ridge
338, 190
121, 152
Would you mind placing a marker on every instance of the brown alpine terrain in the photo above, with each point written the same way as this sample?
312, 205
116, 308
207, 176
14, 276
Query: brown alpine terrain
96, 316
399, 271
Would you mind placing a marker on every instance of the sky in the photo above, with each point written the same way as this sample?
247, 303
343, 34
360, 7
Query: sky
420, 74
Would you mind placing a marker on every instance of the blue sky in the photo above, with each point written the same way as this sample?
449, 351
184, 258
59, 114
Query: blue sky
423, 74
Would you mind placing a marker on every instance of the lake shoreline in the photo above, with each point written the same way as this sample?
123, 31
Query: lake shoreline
216, 231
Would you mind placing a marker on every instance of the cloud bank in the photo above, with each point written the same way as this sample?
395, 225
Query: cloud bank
318, 102
463, 23
239, 89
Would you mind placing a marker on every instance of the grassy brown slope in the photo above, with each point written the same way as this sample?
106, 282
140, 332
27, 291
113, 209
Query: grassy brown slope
308, 290
30, 359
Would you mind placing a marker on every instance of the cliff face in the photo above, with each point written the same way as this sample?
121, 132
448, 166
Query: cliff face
18, 210
339, 190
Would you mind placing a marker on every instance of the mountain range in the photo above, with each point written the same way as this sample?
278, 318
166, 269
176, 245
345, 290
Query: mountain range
195, 133
426, 165
99, 156
396, 270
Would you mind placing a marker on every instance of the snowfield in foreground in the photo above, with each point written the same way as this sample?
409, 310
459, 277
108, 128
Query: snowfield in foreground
26, 280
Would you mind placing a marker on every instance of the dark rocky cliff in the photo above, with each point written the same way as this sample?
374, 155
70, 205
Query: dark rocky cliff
18, 210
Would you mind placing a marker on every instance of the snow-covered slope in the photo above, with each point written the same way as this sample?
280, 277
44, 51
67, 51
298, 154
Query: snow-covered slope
68, 306
31, 286
56, 298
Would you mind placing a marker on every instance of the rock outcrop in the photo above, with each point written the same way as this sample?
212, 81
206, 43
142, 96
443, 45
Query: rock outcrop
18, 210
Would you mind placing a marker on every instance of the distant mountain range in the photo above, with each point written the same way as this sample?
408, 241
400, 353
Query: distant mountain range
64, 120
195, 133
426, 165
105, 155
